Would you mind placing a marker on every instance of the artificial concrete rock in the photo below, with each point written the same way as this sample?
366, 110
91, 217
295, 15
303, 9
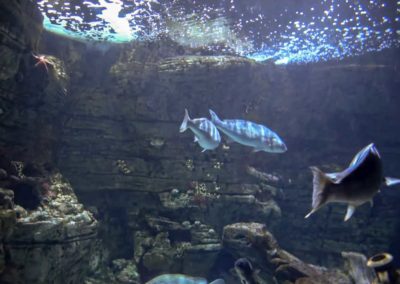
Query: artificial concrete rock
255, 242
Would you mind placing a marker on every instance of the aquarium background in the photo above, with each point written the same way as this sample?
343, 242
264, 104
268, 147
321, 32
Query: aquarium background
103, 188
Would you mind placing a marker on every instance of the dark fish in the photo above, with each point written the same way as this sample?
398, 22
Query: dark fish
245, 271
248, 133
205, 132
181, 279
355, 185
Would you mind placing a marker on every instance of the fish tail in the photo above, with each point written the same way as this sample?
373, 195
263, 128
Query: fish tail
320, 181
214, 116
185, 121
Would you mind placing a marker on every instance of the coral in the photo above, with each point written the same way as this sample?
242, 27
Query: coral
201, 195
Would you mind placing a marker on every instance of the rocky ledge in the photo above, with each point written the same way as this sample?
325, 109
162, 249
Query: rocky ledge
255, 242
46, 235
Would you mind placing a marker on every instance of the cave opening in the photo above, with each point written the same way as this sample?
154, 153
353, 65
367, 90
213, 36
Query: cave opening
27, 196
178, 236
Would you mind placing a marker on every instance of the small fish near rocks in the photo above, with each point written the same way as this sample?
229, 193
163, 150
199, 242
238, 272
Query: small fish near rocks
205, 132
181, 279
248, 133
354, 186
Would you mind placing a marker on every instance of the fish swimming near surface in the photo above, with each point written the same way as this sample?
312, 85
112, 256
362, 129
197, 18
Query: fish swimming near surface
248, 133
245, 271
181, 279
205, 132
354, 186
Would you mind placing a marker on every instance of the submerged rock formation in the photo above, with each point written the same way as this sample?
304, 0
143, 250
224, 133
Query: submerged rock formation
124, 136
253, 241
109, 120
46, 235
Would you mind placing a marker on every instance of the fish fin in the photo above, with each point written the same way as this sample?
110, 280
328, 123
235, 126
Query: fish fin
349, 212
371, 202
218, 281
185, 121
334, 177
214, 116
255, 150
204, 150
320, 180
195, 139
391, 181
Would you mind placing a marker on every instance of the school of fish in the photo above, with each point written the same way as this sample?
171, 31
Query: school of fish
244, 132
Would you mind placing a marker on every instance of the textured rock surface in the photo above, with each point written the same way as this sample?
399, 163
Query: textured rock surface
46, 235
30, 97
110, 120
255, 242
20, 24
123, 135
356, 265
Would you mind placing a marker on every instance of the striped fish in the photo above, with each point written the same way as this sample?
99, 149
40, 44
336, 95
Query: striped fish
205, 132
248, 133
181, 279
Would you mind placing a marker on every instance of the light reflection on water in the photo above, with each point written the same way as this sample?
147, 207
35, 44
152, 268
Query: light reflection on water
285, 31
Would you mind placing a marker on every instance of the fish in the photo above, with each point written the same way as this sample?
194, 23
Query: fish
354, 186
181, 279
248, 133
205, 132
245, 271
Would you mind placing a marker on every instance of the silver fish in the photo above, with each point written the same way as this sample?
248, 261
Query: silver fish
205, 132
354, 186
181, 279
248, 133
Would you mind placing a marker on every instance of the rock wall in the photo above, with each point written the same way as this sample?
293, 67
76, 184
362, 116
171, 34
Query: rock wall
108, 116
30, 102
123, 153
161, 199
46, 235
